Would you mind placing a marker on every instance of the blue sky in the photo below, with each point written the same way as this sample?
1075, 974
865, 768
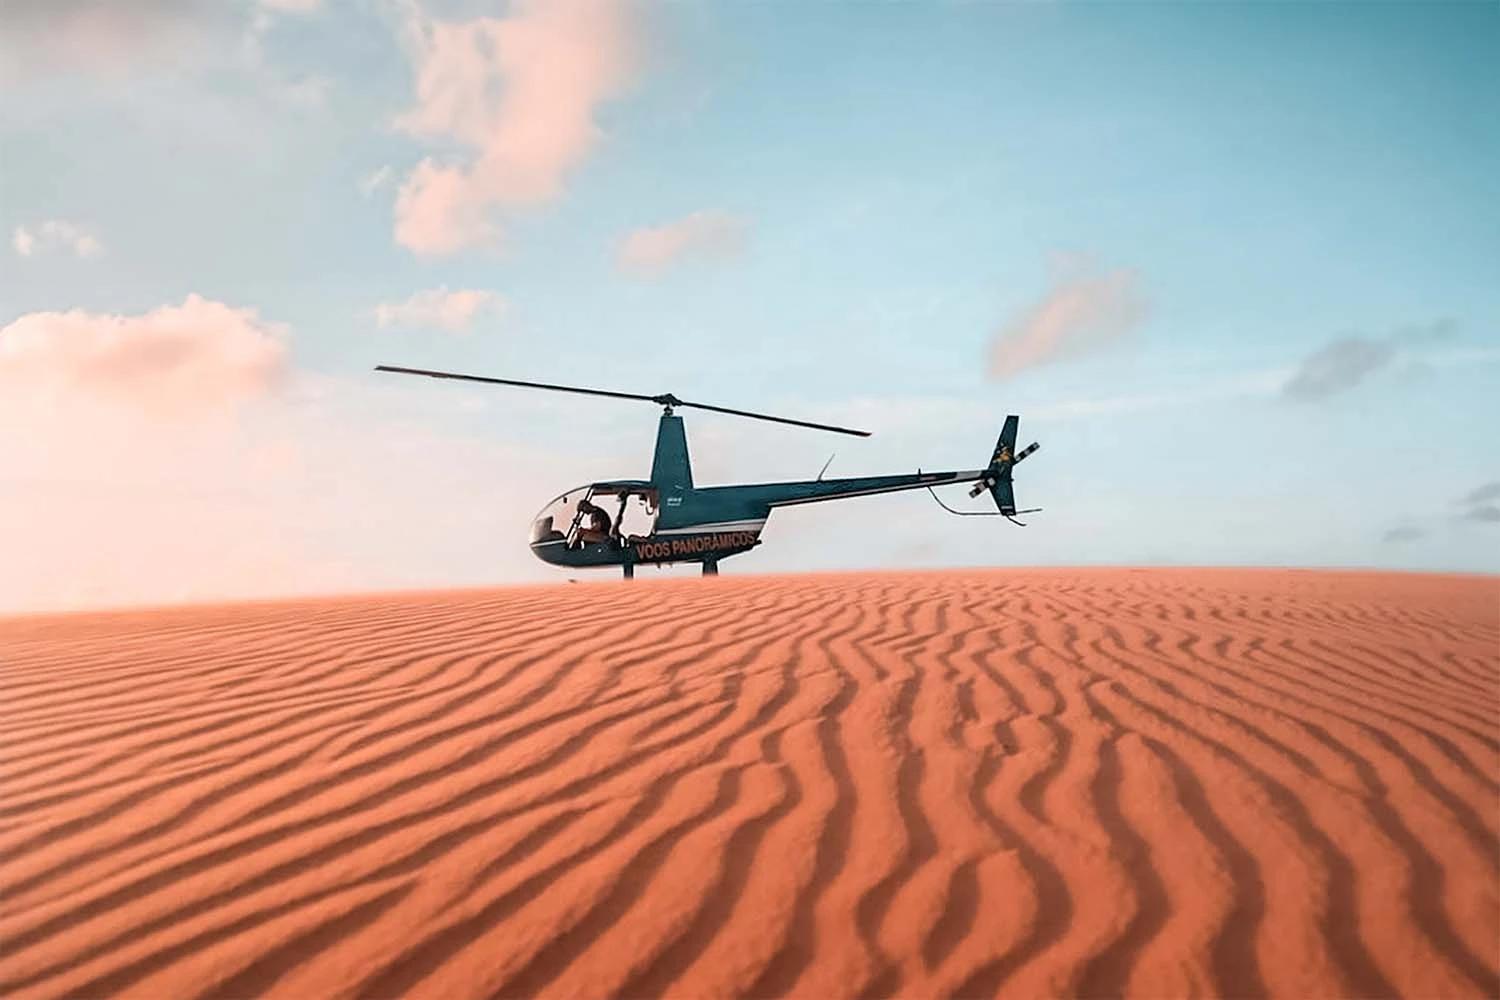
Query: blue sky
844, 211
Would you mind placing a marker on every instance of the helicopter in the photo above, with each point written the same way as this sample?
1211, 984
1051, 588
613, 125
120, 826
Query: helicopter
666, 518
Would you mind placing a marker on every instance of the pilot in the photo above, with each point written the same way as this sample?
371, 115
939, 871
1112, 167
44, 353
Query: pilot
599, 526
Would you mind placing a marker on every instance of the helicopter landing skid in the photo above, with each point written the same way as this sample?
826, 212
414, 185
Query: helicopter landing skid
984, 513
710, 568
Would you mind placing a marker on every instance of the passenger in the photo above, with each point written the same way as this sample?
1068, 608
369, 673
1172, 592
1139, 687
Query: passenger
598, 529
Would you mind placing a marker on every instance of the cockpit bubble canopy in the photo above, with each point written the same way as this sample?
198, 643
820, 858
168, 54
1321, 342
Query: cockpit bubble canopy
555, 520
630, 510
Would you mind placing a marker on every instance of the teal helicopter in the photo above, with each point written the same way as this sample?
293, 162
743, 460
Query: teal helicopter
668, 519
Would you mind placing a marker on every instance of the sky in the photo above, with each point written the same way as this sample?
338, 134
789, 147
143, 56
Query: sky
1237, 267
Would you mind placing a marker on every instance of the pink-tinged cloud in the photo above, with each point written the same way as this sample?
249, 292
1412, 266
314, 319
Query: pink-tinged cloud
439, 308
652, 249
198, 355
46, 38
176, 454
520, 93
440, 210
1084, 310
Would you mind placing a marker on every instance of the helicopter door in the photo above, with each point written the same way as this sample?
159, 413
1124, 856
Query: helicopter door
638, 515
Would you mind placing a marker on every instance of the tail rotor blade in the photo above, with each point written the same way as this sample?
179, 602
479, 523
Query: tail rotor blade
1033, 446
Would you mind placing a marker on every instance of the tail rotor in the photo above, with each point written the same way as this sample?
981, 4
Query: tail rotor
997, 477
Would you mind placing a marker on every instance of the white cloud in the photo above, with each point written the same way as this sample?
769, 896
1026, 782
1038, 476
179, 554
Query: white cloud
652, 249
308, 92
519, 93
438, 307
1085, 309
292, 6
376, 180
55, 234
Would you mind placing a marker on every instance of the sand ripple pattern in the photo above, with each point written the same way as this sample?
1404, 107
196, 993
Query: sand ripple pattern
1029, 784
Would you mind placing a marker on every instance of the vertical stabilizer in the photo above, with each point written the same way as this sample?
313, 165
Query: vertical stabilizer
997, 478
670, 470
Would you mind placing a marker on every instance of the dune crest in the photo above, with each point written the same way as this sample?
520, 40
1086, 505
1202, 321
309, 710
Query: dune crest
1033, 783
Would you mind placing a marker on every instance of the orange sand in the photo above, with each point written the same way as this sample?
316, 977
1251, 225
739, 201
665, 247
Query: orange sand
1070, 782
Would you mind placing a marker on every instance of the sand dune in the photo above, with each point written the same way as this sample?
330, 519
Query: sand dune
1162, 783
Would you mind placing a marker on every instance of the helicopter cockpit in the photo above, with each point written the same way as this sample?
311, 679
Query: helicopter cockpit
602, 514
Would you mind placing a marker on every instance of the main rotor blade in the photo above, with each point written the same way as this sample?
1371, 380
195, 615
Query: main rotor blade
778, 420
517, 382
665, 399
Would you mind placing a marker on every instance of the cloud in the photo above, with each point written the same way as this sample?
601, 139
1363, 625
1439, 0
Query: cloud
192, 40
652, 249
292, 6
257, 480
48, 14
1483, 494
55, 234
1338, 367
376, 180
304, 91
1479, 504
121, 478
438, 307
1425, 333
200, 355
1085, 309
1344, 363
518, 95
47, 37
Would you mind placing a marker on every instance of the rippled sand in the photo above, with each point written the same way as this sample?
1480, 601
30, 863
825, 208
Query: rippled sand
1069, 782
